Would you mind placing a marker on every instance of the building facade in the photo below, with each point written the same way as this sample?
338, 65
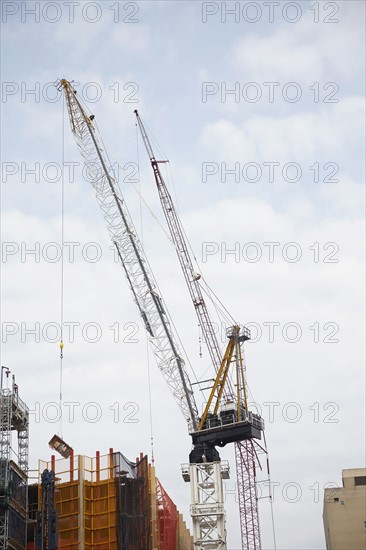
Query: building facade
344, 512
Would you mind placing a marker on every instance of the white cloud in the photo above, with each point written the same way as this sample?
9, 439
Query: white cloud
306, 292
295, 137
304, 51
134, 38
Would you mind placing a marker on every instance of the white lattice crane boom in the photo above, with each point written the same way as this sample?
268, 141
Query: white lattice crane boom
131, 255
207, 489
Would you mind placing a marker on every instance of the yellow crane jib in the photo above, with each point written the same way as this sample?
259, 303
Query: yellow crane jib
228, 420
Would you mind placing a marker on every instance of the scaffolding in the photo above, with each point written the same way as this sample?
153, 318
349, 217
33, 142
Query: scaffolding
14, 416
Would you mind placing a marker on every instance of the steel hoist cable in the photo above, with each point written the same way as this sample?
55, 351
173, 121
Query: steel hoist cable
62, 265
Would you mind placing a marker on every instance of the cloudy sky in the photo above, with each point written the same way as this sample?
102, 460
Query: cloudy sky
259, 107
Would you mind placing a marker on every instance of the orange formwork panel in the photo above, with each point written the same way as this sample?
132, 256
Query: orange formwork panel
100, 515
110, 503
154, 524
102, 502
68, 509
86, 507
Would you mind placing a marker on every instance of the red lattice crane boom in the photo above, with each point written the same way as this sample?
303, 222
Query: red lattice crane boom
244, 446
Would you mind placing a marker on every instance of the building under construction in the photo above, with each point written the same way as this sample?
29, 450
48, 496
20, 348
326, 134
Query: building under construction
105, 502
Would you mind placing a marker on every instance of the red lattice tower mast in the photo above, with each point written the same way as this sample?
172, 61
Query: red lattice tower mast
246, 459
